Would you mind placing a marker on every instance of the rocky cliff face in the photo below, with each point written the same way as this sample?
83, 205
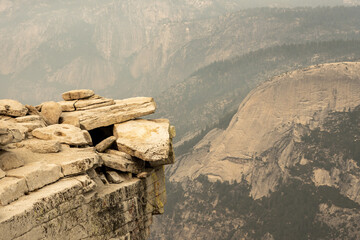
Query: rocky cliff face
270, 112
287, 165
83, 168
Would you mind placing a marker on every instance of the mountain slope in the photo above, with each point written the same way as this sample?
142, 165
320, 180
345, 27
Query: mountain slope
286, 167
218, 89
267, 114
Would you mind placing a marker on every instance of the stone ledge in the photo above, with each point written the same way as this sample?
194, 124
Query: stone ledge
74, 190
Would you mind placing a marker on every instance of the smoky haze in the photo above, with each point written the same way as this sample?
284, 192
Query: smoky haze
120, 49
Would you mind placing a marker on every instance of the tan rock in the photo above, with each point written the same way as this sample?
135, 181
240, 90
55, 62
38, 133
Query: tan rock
72, 120
87, 183
3, 130
122, 162
63, 133
148, 140
77, 94
5, 136
32, 110
11, 189
172, 131
105, 144
95, 177
42, 146
155, 191
37, 174
2, 174
31, 126
84, 104
169, 160
31, 122
87, 137
116, 177
103, 178
29, 118
15, 131
9, 160
51, 112
79, 163
121, 111
13, 108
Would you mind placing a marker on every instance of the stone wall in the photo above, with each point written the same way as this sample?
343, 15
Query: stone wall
83, 168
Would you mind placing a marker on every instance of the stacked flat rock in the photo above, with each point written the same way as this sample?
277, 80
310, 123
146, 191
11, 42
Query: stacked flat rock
86, 144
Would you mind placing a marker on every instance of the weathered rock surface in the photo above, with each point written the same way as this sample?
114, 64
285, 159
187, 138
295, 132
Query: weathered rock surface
32, 110
121, 111
54, 186
37, 174
148, 140
12, 108
63, 133
43, 146
122, 162
293, 144
13, 132
80, 164
11, 189
51, 112
266, 115
105, 144
31, 122
9, 160
116, 177
77, 94
84, 104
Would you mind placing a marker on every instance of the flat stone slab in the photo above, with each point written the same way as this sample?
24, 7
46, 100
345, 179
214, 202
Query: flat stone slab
13, 108
31, 122
122, 162
79, 163
148, 140
85, 104
77, 94
11, 189
64, 133
29, 118
71, 160
105, 144
121, 111
42, 146
9, 160
37, 174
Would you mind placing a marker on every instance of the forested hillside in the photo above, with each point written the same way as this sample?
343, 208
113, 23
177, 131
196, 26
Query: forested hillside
213, 93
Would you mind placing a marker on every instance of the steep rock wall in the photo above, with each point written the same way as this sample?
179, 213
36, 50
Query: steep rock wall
269, 116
